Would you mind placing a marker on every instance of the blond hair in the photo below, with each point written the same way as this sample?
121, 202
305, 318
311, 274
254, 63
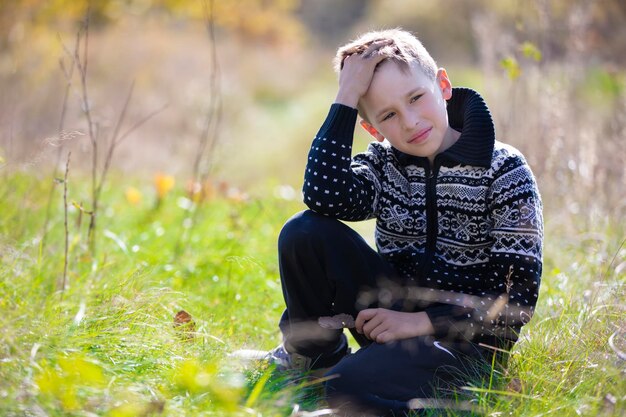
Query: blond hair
404, 49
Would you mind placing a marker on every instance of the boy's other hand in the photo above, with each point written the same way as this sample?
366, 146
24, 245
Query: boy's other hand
383, 326
357, 73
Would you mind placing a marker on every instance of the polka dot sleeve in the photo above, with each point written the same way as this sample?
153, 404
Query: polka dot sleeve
334, 183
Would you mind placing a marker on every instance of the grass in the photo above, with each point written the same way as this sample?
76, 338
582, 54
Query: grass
107, 344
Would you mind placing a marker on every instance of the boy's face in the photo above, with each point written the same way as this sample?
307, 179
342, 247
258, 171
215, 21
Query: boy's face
408, 109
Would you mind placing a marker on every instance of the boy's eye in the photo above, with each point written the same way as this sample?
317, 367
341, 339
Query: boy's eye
415, 98
388, 116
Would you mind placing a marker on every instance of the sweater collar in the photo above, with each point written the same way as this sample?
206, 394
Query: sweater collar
469, 114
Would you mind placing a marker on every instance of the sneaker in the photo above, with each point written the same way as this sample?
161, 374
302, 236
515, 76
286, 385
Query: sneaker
285, 361
297, 364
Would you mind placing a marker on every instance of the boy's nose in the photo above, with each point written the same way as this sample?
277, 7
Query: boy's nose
410, 120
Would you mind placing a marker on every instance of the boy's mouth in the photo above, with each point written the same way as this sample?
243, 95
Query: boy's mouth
420, 136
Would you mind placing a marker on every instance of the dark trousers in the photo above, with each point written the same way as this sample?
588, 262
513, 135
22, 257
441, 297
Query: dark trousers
327, 268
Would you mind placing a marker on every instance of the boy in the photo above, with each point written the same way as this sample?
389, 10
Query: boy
458, 231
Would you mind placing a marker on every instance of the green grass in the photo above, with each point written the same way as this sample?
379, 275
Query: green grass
107, 344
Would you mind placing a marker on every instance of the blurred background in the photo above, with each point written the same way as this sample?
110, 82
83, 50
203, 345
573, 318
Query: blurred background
552, 71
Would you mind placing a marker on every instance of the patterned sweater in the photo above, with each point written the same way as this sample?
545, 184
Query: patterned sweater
464, 234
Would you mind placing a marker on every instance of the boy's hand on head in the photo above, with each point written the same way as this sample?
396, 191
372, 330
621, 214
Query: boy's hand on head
357, 73
383, 326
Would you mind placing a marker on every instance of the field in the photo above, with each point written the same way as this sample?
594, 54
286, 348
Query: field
107, 343
137, 315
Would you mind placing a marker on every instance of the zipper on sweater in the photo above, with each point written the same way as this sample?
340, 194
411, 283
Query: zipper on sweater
432, 225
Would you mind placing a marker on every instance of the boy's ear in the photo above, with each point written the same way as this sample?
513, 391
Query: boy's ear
372, 130
444, 84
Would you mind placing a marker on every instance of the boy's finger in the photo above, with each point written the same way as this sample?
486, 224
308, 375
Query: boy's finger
379, 44
375, 56
372, 327
376, 331
384, 337
374, 47
362, 317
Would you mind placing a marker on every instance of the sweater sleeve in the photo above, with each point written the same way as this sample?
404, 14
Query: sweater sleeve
335, 184
514, 269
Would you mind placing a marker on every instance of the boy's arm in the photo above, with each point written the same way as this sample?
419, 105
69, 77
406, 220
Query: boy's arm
515, 262
334, 184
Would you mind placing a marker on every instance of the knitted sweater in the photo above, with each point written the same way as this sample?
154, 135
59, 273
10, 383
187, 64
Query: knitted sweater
464, 234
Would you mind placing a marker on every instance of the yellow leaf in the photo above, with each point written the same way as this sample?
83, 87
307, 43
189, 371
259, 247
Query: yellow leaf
58, 386
49, 381
79, 370
531, 51
133, 196
512, 67
163, 184
68, 398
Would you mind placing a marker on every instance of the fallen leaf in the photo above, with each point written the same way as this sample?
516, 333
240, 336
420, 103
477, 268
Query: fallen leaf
339, 321
184, 325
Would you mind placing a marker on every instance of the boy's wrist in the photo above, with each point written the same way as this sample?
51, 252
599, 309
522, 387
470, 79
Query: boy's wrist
424, 324
347, 99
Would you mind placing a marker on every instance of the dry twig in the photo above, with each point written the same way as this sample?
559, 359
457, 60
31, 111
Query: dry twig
68, 73
82, 63
67, 240
98, 178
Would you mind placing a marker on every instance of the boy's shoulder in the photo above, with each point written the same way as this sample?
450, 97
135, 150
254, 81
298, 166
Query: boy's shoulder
383, 152
506, 149
383, 147
504, 153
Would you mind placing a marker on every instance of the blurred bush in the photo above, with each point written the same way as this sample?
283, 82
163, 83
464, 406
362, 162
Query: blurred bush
552, 72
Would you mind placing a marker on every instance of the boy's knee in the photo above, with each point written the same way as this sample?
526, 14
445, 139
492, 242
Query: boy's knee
302, 228
343, 380
353, 389
345, 392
